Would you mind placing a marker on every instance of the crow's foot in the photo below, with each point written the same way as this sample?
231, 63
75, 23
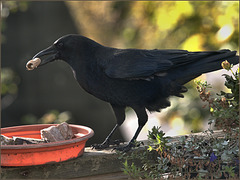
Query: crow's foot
106, 144
100, 146
129, 146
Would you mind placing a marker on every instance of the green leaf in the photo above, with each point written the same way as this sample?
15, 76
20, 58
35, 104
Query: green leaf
225, 143
225, 157
230, 170
150, 148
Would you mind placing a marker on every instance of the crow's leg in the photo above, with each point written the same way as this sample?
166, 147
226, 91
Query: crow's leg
142, 119
107, 141
120, 115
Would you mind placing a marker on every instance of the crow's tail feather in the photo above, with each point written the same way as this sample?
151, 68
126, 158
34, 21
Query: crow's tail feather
209, 63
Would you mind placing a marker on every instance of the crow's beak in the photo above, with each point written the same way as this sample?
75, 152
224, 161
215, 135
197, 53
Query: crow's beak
47, 55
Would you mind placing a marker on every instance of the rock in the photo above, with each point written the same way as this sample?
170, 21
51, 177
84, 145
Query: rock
24, 140
6, 140
60, 132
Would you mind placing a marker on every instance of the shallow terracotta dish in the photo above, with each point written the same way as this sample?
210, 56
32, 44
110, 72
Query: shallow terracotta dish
36, 154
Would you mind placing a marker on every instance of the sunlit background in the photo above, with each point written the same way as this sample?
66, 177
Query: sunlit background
51, 95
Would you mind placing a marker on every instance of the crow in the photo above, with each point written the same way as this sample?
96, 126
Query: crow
136, 78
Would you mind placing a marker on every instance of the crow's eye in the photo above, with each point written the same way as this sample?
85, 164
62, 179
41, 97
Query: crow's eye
59, 45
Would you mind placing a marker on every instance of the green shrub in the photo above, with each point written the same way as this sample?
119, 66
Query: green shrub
202, 156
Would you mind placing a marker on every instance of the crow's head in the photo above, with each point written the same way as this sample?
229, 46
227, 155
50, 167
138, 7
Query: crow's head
67, 48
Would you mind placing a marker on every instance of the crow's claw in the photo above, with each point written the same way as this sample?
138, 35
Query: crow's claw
129, 146
100, 146
124, 148
106, 144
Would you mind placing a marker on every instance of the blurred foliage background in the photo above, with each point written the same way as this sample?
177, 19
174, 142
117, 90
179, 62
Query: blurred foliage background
189, 25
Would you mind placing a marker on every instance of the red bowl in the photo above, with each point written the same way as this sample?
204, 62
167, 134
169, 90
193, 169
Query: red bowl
36, 154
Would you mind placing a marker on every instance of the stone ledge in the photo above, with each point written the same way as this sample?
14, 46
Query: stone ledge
92, 164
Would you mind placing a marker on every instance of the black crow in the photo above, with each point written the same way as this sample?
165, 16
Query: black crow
136, 78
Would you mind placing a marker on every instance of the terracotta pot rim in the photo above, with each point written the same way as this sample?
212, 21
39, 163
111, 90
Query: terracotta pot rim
51, 144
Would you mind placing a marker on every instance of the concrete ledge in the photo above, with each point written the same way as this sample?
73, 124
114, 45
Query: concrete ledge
92, 164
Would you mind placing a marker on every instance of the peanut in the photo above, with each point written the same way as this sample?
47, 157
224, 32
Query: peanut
32, 64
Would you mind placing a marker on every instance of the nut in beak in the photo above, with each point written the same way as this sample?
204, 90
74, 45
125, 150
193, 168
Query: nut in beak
32, 64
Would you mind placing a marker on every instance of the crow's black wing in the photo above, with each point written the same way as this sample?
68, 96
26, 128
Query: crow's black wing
134, 63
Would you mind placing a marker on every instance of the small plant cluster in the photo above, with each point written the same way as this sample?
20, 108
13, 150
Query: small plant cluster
224, 107
204, 156
191, 157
